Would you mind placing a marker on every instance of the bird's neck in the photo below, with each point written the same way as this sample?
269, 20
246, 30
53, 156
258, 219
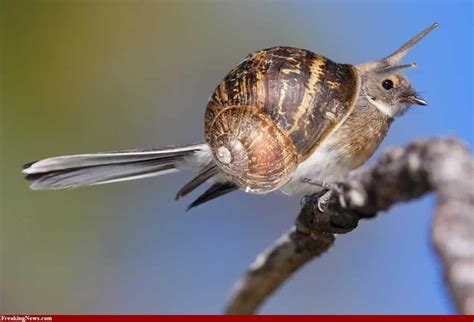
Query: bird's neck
363, 131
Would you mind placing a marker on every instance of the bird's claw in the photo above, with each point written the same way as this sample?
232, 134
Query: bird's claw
328, 191
323, 201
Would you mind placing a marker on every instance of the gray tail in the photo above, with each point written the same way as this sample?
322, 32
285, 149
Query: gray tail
96, 168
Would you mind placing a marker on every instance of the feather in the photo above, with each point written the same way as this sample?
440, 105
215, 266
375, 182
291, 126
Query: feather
97, 168
216, 190
95, 159
208, 172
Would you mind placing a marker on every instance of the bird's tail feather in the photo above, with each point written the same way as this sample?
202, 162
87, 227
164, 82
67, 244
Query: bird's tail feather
97, 168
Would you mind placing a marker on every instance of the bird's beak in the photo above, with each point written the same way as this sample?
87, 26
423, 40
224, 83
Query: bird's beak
413, 99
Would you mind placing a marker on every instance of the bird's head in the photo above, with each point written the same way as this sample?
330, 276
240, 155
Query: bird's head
383, 84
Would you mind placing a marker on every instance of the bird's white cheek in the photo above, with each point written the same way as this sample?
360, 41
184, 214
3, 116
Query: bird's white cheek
384, 108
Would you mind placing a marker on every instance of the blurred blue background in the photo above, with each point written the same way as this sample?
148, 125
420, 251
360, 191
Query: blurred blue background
85, 76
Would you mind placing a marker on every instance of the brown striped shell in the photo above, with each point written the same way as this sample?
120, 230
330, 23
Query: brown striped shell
273, 110
251, 150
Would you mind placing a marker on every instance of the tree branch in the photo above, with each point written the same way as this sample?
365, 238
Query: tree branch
443, 166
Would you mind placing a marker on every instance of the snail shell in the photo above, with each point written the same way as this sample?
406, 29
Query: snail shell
256, 160
273, 110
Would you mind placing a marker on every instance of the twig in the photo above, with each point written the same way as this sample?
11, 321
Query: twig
443, 166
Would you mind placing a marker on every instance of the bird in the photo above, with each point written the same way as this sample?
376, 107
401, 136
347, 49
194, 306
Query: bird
283, 119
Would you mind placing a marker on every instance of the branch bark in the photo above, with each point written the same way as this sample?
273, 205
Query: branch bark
442, 166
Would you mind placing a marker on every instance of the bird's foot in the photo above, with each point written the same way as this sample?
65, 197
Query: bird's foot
323, 200
327, 192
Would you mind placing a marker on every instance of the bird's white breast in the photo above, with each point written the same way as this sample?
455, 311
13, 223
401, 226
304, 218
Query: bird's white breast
326, 164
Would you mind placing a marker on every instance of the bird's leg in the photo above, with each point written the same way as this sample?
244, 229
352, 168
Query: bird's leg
323, 184
328, 189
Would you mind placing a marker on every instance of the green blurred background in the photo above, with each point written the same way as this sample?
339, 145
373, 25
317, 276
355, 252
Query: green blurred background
87, 76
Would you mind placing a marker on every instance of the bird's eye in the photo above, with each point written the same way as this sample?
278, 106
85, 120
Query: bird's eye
387, 84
